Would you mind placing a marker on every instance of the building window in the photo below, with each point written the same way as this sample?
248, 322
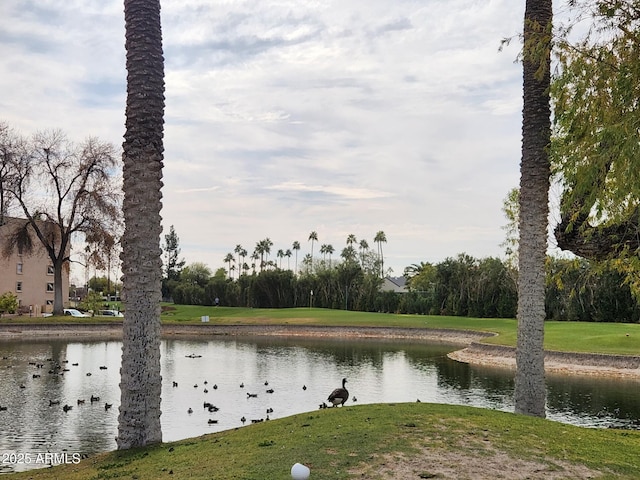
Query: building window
49, 287
49, 269
18, 286
49, 303
19, 268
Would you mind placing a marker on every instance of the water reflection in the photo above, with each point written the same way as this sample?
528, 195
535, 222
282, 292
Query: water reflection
301, 372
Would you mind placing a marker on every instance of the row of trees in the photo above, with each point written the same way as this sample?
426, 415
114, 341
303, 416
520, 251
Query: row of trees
240, 262
575, 289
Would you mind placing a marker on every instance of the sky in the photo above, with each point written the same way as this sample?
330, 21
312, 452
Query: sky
285, 117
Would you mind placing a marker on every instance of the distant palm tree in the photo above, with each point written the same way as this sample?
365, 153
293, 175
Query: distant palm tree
243, 255
238, 251
313, 236
380, 238
351, 239
296, 248
280, 255
228, 259
288, 255
329, 249
255, 256
323, 251
140, 379
267, 248
364, 246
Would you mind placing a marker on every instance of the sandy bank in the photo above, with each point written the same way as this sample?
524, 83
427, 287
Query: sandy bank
475, 352
554, 362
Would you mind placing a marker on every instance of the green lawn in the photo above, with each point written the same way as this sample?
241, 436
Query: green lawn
363, 441
612, 338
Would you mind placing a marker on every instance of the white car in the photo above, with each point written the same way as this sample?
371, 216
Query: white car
109, 313
72, 312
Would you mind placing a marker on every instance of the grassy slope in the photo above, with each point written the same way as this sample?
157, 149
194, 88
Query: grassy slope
355, 442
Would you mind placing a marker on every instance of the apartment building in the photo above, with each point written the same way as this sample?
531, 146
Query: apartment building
28, 276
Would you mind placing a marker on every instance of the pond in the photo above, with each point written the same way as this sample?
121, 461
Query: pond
286, 375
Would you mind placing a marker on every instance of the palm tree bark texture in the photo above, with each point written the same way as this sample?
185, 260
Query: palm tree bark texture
534, 196
140, 384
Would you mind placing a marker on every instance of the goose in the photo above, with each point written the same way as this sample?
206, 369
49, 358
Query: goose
66, 408
304, 387
80, 401
190, 410
3, 409
107, 406
270, 390
252, 395
54, 402
215, 386
243, 419
103, 367
206, 391
269, 410
339, 395
175, 384
354, 399
242, 385
94, 399
211, 420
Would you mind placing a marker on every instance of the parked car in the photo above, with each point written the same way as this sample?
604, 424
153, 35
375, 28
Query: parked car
74, 313
109, 313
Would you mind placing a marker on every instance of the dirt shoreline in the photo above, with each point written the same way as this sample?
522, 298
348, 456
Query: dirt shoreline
475, 352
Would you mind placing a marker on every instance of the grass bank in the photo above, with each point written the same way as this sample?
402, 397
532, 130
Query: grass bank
609, 338
376, 442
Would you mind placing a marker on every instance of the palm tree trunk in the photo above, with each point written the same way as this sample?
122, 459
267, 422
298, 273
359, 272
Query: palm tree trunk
534, 198
140, 384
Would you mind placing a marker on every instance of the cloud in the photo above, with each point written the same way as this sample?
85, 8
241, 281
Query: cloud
338, 191
284, 117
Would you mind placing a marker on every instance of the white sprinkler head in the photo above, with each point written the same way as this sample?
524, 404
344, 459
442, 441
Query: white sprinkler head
300, 472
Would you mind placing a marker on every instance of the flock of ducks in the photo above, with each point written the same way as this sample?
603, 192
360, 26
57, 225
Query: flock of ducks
58, 368
337, 397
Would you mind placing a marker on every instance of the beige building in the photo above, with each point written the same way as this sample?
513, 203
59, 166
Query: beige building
29, 277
